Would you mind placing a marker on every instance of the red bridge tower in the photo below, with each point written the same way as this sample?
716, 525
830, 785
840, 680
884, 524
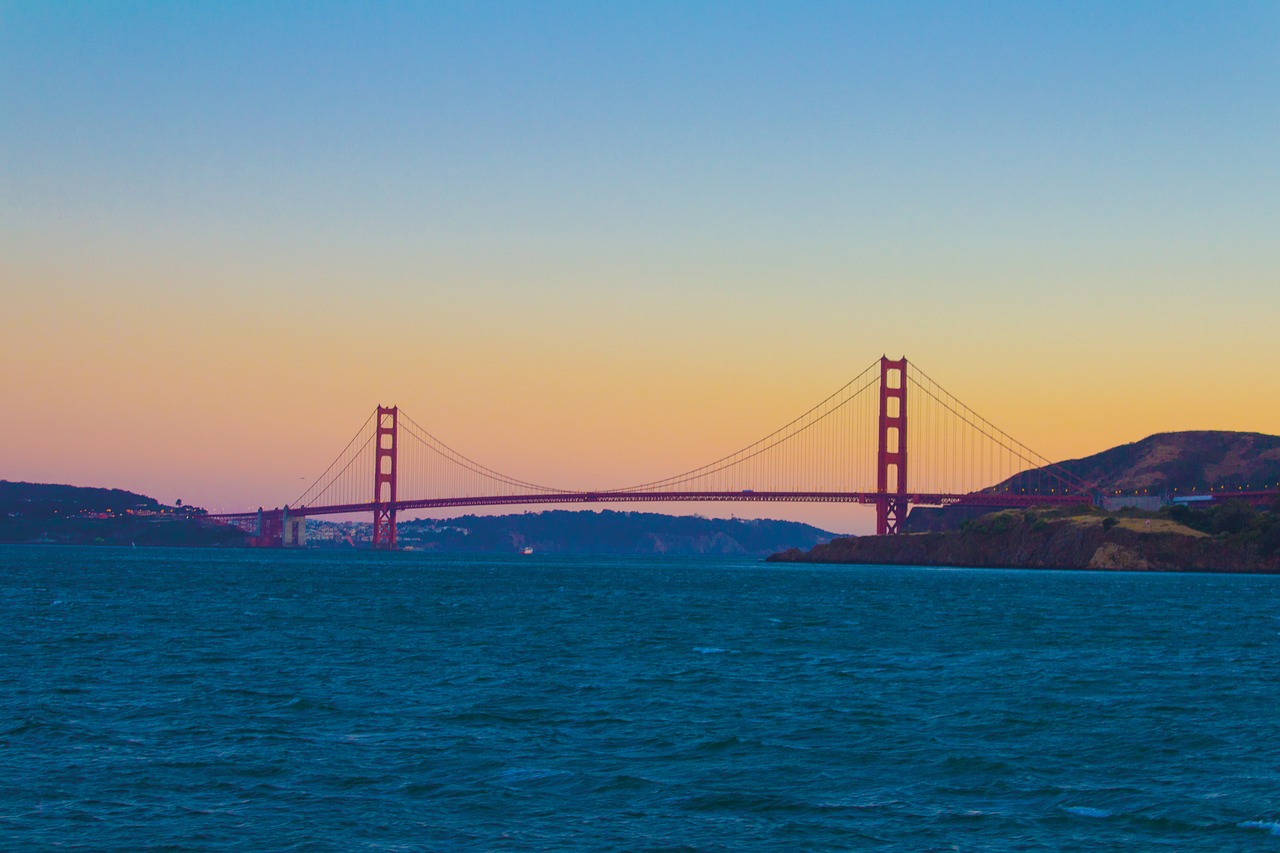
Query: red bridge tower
891, 456
384, 479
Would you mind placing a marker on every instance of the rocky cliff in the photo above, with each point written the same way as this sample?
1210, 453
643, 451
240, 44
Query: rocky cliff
1023, 540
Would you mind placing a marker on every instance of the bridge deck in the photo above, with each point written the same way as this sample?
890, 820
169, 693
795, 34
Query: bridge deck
919, 499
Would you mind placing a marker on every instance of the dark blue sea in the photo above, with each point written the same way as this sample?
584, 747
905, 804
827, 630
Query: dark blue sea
309, 701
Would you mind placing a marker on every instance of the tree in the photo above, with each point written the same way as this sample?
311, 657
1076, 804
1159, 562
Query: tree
1271, 538
1232, 517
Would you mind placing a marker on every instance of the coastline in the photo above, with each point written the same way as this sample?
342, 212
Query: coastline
1016, 540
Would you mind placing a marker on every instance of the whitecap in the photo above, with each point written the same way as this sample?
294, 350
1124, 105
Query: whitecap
1087, 811
708, 650
1272, 826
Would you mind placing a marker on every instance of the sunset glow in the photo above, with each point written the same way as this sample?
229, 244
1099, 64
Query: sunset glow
590, 247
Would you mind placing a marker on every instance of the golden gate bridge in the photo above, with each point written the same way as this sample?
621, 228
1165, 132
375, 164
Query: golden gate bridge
850, 448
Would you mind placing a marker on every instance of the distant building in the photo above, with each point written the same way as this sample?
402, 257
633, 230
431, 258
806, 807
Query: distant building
1111, 503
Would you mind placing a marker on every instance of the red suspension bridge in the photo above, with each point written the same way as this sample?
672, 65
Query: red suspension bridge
850, 448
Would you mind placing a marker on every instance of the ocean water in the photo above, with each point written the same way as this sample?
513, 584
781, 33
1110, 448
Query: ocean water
239, 700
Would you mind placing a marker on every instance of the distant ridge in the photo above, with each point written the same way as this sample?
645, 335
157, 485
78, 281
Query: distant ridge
587, 532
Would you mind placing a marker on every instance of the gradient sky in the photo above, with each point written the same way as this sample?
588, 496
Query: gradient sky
594, 244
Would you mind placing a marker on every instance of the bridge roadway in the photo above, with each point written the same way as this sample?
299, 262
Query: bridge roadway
991, 499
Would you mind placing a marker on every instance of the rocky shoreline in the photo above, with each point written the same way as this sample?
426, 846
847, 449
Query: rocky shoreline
1010, 540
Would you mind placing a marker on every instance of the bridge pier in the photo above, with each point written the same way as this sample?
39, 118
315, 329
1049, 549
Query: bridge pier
891, 511
293, 532
270, 530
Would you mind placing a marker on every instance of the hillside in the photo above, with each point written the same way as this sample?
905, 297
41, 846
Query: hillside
40, 500
1230, 538
80, 515
1168, 461
586, 532
1188, 461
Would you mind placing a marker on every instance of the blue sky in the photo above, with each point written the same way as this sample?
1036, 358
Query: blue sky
662, 197
594, 126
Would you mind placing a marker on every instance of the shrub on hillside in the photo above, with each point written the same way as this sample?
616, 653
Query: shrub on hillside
1232, 517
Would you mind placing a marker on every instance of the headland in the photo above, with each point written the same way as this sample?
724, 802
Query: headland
1233, 537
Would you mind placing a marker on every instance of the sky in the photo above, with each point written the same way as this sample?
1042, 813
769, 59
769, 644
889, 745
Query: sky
599, 244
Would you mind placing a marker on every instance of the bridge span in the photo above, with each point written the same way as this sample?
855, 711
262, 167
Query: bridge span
850, 448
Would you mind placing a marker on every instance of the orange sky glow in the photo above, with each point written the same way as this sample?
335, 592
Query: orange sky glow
592, 272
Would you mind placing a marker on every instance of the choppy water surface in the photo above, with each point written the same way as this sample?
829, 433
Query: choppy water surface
197, 700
